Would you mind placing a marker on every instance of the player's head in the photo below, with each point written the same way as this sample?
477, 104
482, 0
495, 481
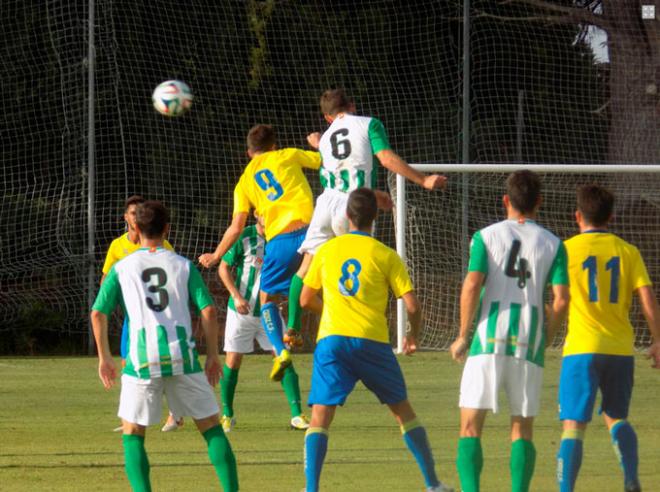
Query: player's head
130, 206
595, 205
335, 101
261, 138
153, 219
362, 208
523, 191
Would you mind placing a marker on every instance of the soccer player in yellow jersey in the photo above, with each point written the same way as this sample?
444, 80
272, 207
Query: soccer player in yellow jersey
604, 272
355, 272
273, 184
120, 247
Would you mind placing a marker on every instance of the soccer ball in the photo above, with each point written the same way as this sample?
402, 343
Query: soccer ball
172, 98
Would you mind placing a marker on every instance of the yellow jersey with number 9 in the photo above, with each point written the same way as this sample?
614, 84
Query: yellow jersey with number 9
604, 271
274, 184
355, 271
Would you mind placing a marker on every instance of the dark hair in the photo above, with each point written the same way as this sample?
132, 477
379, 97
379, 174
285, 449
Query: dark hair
595, 203
524, 190
334, 101
261, 138
362, 208
133, 200
152, 218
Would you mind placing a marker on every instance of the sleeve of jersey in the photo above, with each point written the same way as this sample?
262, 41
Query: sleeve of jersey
399, 279
559, 269
109, 259
310, 159
109, 294
234, 254
641, 277
168, 246
199, 293
313, 277
478, 255
377, 136
241, 200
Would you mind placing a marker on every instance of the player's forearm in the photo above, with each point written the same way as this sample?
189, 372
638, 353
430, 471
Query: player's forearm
414, 312
391, 161
469, 303
651, 311
228, 280
228, 239
557, 312
100, 329
210, 328
310, 300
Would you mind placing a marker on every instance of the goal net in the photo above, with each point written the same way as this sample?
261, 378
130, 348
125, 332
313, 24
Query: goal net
439, 226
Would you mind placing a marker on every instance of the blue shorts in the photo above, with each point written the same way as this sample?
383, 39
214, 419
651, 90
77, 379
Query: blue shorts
281, 261
339, 362
581, 377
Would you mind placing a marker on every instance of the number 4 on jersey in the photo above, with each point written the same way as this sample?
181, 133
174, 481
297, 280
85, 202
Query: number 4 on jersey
521, 273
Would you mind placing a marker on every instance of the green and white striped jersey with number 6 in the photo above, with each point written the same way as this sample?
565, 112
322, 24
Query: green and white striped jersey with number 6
155, 288
347, 149
519, 259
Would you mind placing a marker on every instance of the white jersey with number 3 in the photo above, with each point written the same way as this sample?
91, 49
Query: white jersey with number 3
519, 260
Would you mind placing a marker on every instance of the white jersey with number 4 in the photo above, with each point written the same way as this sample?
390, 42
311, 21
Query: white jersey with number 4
155, 287
519, 259
347, 150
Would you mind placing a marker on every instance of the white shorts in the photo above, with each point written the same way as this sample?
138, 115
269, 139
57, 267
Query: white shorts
240, 332
329, 220
188, 395
484, 375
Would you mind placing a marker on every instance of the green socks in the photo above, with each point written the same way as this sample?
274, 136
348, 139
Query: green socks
523, 458
470, 461
136, 463
292, 390
227, 389
222, 458
295, 310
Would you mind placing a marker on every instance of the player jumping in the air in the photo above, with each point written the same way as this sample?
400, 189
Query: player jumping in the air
349, 149
124, 245
155, 287
244, 326
355, 273
604, 272
511, 263
274, 185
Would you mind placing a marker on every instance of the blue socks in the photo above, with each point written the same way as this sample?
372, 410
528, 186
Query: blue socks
272, 323
414, 435
316, 445
624, 440
569, 459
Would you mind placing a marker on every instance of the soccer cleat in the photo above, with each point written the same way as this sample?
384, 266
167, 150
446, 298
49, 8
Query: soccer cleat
632, 487
172, 425
441, 487
301, 422
280, 363
227, 423
293, 338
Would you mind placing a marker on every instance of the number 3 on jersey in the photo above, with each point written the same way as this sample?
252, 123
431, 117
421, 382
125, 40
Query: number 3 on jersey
349, 283
267, 182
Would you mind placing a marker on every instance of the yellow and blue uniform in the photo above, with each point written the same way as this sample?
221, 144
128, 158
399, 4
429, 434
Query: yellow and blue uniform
274, 184
120, 248
604, 271
355, 272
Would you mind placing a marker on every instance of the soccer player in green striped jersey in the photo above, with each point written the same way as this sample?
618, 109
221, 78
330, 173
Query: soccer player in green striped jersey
155, 287
243, 324
511, 264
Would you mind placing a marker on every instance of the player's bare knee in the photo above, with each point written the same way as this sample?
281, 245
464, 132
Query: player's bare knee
207, 422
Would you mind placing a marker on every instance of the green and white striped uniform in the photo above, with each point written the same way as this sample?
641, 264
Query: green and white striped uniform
347, 149
519, 260
155, 289
247, 255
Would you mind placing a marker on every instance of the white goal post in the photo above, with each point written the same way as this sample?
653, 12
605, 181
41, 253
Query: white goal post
642, 181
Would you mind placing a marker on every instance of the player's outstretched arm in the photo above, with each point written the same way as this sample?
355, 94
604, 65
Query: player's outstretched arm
469, 303
209, 321
107, 367
391, 161
651, 312
230, 236
242, 306
557, 311
414, 310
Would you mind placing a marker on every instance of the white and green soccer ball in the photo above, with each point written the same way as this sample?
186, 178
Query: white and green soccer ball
172, 98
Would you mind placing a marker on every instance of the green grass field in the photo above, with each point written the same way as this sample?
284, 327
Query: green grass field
56, 424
